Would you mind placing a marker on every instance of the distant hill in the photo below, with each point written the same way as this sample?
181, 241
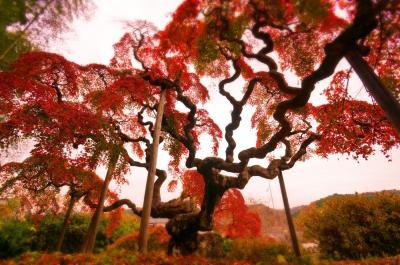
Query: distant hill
273, 222
297, 209
320, 202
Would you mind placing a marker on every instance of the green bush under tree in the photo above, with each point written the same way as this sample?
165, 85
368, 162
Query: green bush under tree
19, 236
49, 228
16, 237
354, 226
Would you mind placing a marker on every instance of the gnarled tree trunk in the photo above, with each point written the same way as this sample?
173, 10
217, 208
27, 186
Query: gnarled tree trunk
183, 231
184, 228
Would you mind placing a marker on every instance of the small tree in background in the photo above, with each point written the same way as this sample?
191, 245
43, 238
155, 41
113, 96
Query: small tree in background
28, 25
44, 103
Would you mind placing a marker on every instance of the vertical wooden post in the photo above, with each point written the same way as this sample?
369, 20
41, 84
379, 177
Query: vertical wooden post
91, 234
293, 237
376, 88
148, 196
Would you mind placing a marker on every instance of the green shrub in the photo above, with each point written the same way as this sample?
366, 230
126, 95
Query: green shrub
258, 250
16, 237
49, 229
128, 224
46, 236
354, 226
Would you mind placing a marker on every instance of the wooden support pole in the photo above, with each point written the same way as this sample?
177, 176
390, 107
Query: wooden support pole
376, 88
65, 222
293, 237
91, 234
148, 196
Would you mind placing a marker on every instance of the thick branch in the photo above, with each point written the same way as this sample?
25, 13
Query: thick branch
120, 203
141, 119
231, 79
362, 25
58, 91
127, 139
161, 209
235, 119
9, 183
302, 151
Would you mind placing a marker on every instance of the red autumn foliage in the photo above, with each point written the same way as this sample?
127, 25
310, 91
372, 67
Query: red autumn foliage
232, 217
86, 115
353, 127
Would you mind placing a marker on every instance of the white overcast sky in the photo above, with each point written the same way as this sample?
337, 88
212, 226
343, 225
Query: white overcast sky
91, 42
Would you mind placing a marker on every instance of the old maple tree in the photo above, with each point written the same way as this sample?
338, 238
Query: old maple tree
96, 115
44, 103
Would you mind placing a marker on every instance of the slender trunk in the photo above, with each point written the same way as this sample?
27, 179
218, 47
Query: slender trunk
293, 237
147, 203
65, 223
376, 88
90, 239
